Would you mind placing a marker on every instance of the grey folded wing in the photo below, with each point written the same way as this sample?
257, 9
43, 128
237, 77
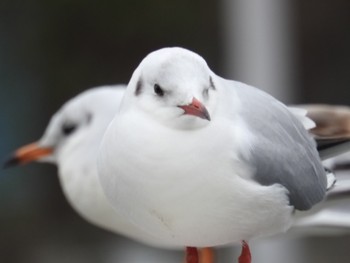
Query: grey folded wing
283, 152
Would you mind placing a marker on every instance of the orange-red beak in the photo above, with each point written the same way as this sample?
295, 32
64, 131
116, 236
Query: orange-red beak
196, 108
27, 154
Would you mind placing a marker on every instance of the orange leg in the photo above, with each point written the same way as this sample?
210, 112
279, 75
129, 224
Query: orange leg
245, 256
192, 255
206, 255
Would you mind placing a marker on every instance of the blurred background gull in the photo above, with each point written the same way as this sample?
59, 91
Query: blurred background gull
50, 51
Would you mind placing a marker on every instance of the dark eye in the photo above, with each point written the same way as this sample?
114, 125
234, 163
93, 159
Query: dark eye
205, 93
158, 90
68, 128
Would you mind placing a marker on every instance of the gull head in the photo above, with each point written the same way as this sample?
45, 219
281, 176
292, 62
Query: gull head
175, 87
74, 129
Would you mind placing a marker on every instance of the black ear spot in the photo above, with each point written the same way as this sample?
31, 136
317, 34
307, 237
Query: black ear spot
89, 117
138, 89
211, 83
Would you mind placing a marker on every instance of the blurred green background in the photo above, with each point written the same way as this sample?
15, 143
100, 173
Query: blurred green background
52, 50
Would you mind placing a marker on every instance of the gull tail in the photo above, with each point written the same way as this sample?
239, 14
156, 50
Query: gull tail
331, 147
301, 115
331, 180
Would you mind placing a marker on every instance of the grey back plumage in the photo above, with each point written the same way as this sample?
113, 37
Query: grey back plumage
283, 151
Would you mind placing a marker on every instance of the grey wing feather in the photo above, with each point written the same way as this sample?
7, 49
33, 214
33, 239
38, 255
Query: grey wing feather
283, 152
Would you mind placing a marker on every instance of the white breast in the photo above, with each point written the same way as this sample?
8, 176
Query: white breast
191, 190
80, 183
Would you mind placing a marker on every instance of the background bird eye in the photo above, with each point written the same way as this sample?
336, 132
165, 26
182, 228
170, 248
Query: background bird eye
158, 90
68, 128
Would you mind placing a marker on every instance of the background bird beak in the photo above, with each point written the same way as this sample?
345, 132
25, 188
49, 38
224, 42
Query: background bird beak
196, 108
27, 154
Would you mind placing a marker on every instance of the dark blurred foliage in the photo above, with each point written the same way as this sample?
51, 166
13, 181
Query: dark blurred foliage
323, 45
72, 45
